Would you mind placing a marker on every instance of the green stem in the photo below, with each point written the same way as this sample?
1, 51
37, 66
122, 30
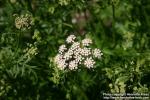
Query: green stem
113, 11
17, 44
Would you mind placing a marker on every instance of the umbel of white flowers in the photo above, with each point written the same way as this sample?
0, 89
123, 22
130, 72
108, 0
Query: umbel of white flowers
24, 21
78, 53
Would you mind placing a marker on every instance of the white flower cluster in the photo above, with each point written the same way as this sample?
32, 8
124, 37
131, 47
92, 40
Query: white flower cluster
78, 53
86, 42
70, 39
97, 53
24, 21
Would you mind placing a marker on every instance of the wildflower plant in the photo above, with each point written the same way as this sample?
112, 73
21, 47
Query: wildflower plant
28, 43
74, 54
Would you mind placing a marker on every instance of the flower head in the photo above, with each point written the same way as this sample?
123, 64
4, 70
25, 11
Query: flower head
86, 51
97, 53
71, 58
68, 55
73, 65
62, 48
79, 59
23, 22
62, 64
70, 39
75, 45
77, 52
58, 58
86, 42
89, 62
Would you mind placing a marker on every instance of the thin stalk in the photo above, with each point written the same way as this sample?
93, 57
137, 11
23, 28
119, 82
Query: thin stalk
18, 41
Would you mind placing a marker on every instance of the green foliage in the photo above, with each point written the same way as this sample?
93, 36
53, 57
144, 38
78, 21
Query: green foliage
120, 28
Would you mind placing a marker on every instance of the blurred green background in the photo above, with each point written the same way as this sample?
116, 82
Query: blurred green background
31, 32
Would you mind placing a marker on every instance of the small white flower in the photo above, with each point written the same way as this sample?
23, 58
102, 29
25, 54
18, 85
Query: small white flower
97, 53
89, 62
78, 59
70, 39
73, 65
62, 64
57, 58
60, 61
77, 51
86, 51
75, 45
62, 48
86, 42
68, 55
